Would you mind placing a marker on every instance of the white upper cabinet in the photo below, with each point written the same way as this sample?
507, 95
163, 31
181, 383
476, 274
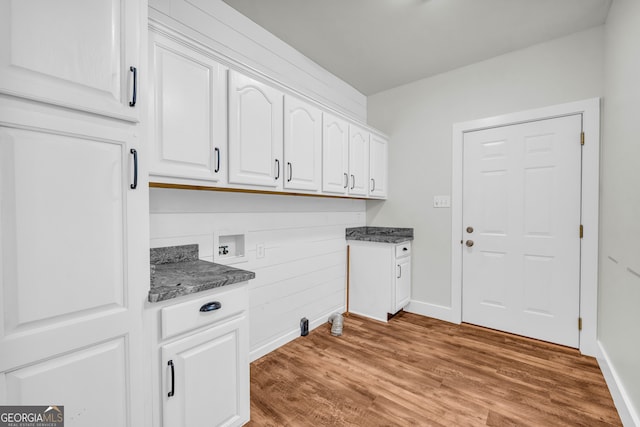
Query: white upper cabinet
80, 54
302, 145
378, 166
255, 132
188, 135
335, 154
358, 161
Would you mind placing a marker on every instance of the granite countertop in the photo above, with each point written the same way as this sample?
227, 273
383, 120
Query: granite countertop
380, 234
177, 271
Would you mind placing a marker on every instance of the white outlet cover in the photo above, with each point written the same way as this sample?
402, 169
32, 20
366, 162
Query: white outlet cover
442, 201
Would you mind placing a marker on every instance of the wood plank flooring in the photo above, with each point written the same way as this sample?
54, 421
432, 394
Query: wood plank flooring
418, 371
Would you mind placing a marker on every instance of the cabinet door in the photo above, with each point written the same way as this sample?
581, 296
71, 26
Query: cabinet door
335, 154
403, 283
74, 53
206, 377
302, 145
188, 103
72, 254
358, 161
255, 132
378, 167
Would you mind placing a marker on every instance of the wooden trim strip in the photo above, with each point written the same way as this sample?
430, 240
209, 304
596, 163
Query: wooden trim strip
245, 190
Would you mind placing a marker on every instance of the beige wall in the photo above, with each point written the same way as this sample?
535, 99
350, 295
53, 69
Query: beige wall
619, 300
419, 117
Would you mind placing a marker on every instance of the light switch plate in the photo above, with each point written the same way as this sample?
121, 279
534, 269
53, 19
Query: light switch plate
260, 250
441, 201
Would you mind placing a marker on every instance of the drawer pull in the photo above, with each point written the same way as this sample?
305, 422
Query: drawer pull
210, 306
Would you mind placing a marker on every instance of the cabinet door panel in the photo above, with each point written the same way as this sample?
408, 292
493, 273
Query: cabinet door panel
335, 154
255, 132
74, 53
71, 244
90, 383
378, 167
62, 225
403, 283
189, 100
211, 377
358, 161
302, 145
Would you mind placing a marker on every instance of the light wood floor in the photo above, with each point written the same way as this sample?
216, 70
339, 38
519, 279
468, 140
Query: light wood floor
417, 371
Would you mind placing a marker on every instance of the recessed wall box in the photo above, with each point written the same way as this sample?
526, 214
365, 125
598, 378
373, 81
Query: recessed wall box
229, 247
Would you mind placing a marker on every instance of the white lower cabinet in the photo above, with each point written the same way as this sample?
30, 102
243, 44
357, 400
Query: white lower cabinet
379, 278
203, 371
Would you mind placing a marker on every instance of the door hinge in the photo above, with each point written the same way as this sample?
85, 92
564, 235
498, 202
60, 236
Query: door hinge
581, 138
581, 231
579, 323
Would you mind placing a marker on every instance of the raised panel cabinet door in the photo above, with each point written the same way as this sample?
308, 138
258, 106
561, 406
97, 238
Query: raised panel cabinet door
90, 383
80, 54
378, 167
335, 154
402, 284
358, 161
302, 145
72, 260
255, 132
188, 102
206, 377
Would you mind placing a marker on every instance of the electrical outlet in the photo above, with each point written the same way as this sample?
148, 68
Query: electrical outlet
441, 201
260, 250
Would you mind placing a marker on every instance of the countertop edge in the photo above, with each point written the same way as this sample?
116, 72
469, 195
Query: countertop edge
164, 293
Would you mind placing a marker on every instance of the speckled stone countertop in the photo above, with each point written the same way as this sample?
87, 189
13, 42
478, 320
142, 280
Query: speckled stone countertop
380, 234
177, 271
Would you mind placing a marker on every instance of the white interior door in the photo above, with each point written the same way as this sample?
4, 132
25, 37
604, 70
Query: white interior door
521, 213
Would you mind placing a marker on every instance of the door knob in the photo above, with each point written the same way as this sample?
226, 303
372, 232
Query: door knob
469, 243
469, 229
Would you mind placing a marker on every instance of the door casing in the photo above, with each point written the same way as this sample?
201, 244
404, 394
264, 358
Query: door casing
590, 110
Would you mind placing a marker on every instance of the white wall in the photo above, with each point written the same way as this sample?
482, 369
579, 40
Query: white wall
242, 41
419, 118
303, 272
619, 302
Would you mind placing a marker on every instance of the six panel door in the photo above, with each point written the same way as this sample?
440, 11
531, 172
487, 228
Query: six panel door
521, 213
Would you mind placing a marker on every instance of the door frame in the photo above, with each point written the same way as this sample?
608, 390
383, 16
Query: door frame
590, 110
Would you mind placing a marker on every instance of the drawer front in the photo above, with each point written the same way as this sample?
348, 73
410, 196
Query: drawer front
183, 317
403, 250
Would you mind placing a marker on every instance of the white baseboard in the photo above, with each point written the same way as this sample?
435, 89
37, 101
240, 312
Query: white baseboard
431, 310
628, 415
281, 340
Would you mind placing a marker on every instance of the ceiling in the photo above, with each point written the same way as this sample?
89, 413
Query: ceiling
376, 45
